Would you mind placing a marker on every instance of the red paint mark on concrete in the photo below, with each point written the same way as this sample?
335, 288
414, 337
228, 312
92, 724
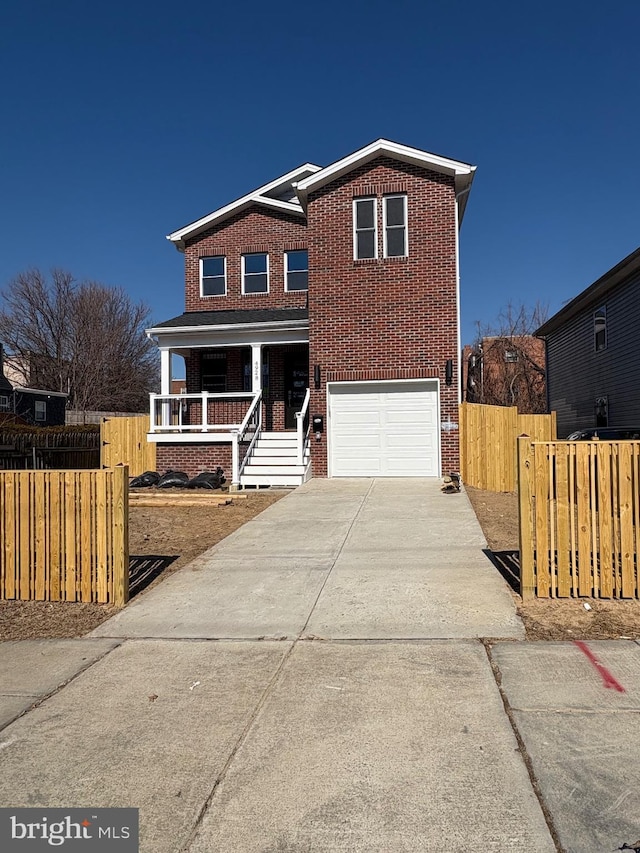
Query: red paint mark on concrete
608, 679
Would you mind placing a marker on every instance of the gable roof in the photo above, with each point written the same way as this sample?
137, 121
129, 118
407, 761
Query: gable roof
596, 292
462, 172
277, 195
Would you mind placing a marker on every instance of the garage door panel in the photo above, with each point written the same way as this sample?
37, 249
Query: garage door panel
391, 430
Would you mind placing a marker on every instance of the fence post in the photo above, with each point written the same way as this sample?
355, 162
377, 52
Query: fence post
120, 522
525, 514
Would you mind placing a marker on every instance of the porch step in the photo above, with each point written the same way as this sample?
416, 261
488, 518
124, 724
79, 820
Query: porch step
274, 462
272, 449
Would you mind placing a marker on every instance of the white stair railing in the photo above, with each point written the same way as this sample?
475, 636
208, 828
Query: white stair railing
252, 423
302, 434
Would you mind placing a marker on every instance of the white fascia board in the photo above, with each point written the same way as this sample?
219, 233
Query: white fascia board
257, 196
230, 327
40, 391
462, 171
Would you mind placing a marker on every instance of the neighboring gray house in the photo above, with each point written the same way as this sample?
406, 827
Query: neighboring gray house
593, 353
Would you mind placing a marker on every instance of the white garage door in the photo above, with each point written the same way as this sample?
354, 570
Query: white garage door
384, 429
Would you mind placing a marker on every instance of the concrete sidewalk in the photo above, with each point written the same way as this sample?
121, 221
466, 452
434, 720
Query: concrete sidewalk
337, 559
399, 730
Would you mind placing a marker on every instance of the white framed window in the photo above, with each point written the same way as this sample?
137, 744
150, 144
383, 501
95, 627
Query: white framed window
394, 213
255, 273
600, 329
365, 228
213, 276
296, 270
40, 410
4, 403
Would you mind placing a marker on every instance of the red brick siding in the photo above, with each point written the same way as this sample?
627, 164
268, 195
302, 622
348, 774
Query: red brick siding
194, 458
384, 318
254, 230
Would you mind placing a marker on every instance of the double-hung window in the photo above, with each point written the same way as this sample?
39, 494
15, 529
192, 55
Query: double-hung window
600, 328
213, 276
40, 410
365, 228
394, 212
255, 273
296, 270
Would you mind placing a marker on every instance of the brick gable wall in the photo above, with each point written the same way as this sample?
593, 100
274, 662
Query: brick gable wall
254, 230
386, 318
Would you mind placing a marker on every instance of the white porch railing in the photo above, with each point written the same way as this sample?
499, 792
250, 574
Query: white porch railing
302, 434
173, 413
247, 435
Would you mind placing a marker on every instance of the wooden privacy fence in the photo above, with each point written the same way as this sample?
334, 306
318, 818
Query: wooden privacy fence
489, 443
579, 518
124, 442
65, 536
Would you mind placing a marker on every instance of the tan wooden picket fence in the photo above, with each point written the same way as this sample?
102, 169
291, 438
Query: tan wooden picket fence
579, 507
65, 535
124, 442
488, 443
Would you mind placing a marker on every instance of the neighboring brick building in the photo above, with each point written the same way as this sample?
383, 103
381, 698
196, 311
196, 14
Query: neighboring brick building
506, 370
334, 292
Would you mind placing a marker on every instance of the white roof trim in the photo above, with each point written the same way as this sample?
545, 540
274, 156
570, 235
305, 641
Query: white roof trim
256, 197
226, 327
462, 172
384, 146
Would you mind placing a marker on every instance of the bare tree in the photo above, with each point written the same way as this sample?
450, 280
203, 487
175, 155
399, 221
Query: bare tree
506, 365
82, 338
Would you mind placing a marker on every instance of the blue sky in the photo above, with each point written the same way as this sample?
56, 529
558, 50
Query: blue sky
124, 121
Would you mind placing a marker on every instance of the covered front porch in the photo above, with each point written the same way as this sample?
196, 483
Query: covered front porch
246, 400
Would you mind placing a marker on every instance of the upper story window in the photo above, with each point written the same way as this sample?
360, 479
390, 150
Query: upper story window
40, 410
213, 276
4, 403
395, 226
365, 228
296, 270
600, 328
510, 356
255, 273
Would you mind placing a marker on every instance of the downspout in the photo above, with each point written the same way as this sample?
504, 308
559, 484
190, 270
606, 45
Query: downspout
459, 339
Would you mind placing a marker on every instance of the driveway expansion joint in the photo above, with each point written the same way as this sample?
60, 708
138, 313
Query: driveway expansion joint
522, 749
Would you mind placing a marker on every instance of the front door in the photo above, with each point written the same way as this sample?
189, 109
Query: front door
296, 382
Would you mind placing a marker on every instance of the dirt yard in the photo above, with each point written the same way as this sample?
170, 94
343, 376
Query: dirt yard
161, 540
557, 619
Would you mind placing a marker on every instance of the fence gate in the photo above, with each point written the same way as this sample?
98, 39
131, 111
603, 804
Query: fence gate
579, 507
124, 442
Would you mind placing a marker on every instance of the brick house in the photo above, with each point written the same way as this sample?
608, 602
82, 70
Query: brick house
506, 370
321, 326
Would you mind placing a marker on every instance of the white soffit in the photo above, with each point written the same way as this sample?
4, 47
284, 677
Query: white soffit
259, 196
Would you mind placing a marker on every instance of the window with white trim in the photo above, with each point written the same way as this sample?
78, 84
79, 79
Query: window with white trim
255, 273
296, 270
600, 328
365, 228
213, 276
40, 410
394, 212
4, 403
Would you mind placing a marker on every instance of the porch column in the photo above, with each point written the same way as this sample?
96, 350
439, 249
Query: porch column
165, 371
256, 367
165, 385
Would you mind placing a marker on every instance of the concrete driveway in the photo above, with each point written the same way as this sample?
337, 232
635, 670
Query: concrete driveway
315, 684
337, 559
